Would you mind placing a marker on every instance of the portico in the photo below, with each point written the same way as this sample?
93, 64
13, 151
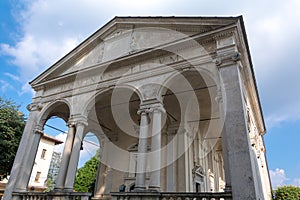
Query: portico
173, 102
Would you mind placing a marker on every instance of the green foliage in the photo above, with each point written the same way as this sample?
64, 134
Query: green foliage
49, 184
287, 193
12, 124
86, 175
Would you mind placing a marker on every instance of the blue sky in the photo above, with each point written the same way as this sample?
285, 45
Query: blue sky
36, 33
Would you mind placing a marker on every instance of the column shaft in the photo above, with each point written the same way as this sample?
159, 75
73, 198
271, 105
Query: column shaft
72, 168
155, 151
182, 173
22, 152
171, 161
142, 153
99, 190
235, 136
224, 142
60, 181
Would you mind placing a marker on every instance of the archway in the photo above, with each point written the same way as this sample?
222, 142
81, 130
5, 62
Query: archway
112, 117
193, 133
48, 156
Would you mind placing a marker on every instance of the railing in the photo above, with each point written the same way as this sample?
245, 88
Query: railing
173, 195
126, 196
196, 196
51, 196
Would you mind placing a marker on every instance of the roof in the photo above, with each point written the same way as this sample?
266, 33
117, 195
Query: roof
52, 139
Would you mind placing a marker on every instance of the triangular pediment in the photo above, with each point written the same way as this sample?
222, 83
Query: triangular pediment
127, 35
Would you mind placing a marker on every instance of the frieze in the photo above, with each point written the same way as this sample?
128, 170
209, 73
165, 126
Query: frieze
95, 78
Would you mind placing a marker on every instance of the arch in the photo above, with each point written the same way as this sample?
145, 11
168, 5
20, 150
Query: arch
208, 73
53, 109
91, 102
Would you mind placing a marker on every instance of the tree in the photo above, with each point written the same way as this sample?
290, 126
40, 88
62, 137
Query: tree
287, 192
86, 175
12, 124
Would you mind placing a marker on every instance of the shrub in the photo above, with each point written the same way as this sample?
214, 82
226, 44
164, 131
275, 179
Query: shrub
287, 193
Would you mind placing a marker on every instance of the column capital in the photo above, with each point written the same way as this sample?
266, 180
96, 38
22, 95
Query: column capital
223, 60
34, 107
78, 120
150, 108
71, 123
39, 129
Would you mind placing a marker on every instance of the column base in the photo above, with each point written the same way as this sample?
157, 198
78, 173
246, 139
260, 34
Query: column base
68, 190
139, 189
20, 190
58, 189
136, 196
101, 197
154, 189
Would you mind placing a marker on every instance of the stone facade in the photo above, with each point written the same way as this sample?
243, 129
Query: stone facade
172, 100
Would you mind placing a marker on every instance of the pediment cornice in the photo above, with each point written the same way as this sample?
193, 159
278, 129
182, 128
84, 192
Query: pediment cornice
188, 25
159, 53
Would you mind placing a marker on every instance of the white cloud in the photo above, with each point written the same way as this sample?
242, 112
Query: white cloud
296, 182
13, 77
4, 86
278, 177
274, 38
51, 28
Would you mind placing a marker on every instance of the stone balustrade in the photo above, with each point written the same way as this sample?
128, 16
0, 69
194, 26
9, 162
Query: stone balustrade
172, 196
51, 196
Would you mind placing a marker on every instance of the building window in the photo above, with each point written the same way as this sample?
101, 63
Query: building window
43, 156
37, 177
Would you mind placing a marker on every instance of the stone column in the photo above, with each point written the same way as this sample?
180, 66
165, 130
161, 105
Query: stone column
171, 161
72, 167
235, 136
142, 152
155, 163
19, 167
182, 161
225, 143
104, 173
61, 177
100, 181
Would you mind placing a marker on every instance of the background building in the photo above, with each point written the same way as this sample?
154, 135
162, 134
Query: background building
42, 162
